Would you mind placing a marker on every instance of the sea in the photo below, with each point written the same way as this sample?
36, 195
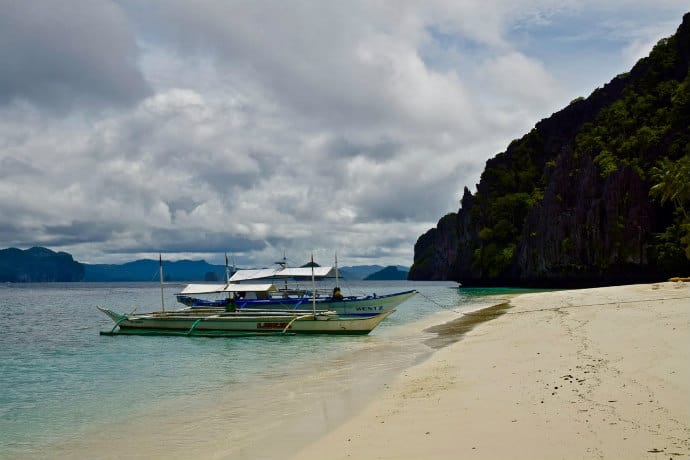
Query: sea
68, 392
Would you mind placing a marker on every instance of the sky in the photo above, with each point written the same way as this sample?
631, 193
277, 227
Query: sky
270, 128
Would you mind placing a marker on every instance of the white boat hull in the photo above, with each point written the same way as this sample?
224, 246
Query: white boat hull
212, 322
365, 306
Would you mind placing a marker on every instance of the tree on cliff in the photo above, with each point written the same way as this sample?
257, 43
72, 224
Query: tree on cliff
673, 185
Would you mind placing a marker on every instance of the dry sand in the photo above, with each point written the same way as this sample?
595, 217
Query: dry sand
581, 374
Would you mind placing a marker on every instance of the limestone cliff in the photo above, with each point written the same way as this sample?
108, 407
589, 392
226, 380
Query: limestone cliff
569, 203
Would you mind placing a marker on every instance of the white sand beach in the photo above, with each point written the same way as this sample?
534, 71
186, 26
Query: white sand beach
580, 374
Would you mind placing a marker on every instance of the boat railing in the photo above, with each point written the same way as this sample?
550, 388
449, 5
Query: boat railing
300, 293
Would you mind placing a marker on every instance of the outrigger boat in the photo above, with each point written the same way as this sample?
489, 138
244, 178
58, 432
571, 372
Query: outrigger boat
229, 321
214, 323
240, 296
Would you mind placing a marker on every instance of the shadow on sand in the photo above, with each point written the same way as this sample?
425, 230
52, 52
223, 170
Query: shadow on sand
454, 330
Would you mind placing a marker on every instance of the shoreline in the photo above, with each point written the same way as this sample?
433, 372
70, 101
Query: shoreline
589, 373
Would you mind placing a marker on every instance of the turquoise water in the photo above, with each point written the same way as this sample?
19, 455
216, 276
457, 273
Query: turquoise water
68, 392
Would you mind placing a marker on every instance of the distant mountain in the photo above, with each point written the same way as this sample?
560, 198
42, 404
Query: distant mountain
38, 265
388, 273
43, 265
148, 270
360, 272
191, 270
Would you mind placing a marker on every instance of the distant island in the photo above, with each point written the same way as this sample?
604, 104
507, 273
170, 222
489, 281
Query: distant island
389, 273
148, 270
39, 264
43, 265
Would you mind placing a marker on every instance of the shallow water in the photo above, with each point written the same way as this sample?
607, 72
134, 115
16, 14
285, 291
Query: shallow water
68, 392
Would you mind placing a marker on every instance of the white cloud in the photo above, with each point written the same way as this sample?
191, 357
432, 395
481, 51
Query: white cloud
517, 77
266, 126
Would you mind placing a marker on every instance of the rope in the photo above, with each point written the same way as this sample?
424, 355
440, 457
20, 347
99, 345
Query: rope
481, 313
345, 283
123, 318
295, 319
191, 329
536, 310
438, 304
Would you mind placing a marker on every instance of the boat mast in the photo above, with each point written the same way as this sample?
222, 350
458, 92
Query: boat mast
336, 269
313, 287
283, 261
283, 265
227, 270
160, 275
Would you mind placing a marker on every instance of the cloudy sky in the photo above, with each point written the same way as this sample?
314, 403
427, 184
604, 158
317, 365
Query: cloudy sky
130, 128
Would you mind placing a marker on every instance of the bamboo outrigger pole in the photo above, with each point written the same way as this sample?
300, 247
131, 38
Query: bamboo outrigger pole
160, 274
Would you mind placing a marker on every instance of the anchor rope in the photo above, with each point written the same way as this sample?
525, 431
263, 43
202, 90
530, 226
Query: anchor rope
563, 307
619, 302
445, 307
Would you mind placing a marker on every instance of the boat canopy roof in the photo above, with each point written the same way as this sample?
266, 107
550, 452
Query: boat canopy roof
282, 273
231, 287
202, 288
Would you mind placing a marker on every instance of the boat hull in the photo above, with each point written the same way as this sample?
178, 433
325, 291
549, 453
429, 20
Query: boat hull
366, 306
351, 306
188, 322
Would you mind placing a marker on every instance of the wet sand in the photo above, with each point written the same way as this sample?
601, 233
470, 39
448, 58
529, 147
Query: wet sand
591, 373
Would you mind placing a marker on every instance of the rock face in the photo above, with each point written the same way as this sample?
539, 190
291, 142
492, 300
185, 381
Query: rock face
435, 251
569, 204
596, 230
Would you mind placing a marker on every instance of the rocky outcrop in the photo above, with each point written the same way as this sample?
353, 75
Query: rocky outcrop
437, 250
569, 203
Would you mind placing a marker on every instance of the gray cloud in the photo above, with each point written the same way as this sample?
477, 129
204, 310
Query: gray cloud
12, 167
26, 234
343, 149
260, 127
185, 241
66, 53
80, 232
